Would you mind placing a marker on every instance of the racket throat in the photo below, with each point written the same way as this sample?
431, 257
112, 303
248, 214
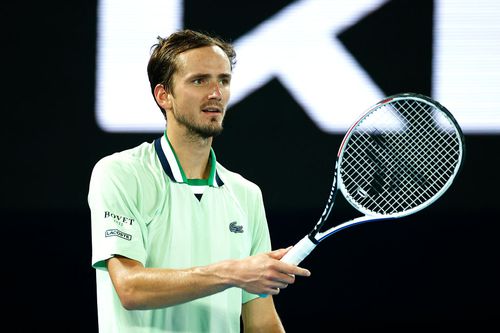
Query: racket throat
312, 238
320, 236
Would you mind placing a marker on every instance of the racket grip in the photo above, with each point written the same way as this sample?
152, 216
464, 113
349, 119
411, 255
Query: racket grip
299, 251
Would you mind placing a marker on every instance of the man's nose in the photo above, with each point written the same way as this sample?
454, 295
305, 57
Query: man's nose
215, 91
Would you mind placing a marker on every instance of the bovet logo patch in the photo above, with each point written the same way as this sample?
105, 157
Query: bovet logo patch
121, 220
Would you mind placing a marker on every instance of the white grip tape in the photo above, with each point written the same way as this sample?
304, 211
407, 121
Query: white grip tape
299, 251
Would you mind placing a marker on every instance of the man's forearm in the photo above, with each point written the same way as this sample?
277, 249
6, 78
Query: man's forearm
142, 288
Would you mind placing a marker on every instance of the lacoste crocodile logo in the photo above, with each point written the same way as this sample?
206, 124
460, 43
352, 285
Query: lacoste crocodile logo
237, 229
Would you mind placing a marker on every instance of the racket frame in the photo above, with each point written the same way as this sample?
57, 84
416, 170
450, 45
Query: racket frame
311, 240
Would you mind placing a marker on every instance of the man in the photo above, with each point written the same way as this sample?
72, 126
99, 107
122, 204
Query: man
181, 244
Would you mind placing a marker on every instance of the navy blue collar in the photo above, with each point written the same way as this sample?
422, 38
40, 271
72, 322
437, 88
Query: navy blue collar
172, 167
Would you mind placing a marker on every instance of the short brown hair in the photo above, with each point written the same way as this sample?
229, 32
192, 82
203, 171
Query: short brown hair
162, 63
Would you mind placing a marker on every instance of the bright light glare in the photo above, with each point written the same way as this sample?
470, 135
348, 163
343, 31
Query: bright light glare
466, 63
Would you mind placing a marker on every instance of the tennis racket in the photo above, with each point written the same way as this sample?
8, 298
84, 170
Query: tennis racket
399, 157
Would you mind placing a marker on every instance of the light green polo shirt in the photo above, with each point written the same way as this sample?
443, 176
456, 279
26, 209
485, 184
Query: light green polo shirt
143, 207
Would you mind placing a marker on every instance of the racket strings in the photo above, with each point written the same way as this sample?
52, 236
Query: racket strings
399, 156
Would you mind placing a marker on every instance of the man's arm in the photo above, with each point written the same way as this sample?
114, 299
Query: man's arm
149, 288
259, 315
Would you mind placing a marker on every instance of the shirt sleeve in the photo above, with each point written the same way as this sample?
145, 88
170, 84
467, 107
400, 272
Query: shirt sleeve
117, 227
261, 241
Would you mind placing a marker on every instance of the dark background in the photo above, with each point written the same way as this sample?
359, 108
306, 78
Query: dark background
435, 270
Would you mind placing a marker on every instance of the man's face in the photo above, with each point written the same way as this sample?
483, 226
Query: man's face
200, 91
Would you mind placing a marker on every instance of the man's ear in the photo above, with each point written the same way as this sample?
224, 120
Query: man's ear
163, 97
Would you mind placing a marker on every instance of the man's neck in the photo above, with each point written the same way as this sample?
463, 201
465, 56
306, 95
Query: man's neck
192, 152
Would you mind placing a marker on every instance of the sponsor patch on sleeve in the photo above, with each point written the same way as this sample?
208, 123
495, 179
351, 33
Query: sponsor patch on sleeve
118, 233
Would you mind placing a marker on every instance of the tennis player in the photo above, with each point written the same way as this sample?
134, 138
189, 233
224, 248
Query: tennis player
180, 243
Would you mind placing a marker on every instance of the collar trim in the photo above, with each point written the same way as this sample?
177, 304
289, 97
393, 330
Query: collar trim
173, 169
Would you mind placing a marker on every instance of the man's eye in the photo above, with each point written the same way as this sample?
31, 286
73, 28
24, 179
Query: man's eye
199, 81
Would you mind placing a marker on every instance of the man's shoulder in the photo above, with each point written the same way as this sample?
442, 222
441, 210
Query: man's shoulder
128, 159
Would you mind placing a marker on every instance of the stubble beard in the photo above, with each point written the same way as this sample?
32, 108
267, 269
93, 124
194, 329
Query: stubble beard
201, 131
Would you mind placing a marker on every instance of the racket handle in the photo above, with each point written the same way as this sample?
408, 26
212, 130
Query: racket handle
299, 251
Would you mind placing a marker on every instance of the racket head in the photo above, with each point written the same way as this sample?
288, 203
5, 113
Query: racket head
400, 156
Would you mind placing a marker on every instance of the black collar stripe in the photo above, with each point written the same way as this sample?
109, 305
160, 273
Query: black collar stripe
163, 159
218, 181
169, 162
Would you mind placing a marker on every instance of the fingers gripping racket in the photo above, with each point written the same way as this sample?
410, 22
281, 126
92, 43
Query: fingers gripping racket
399, 157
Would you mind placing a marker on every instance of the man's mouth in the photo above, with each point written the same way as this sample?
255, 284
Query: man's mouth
212, 109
